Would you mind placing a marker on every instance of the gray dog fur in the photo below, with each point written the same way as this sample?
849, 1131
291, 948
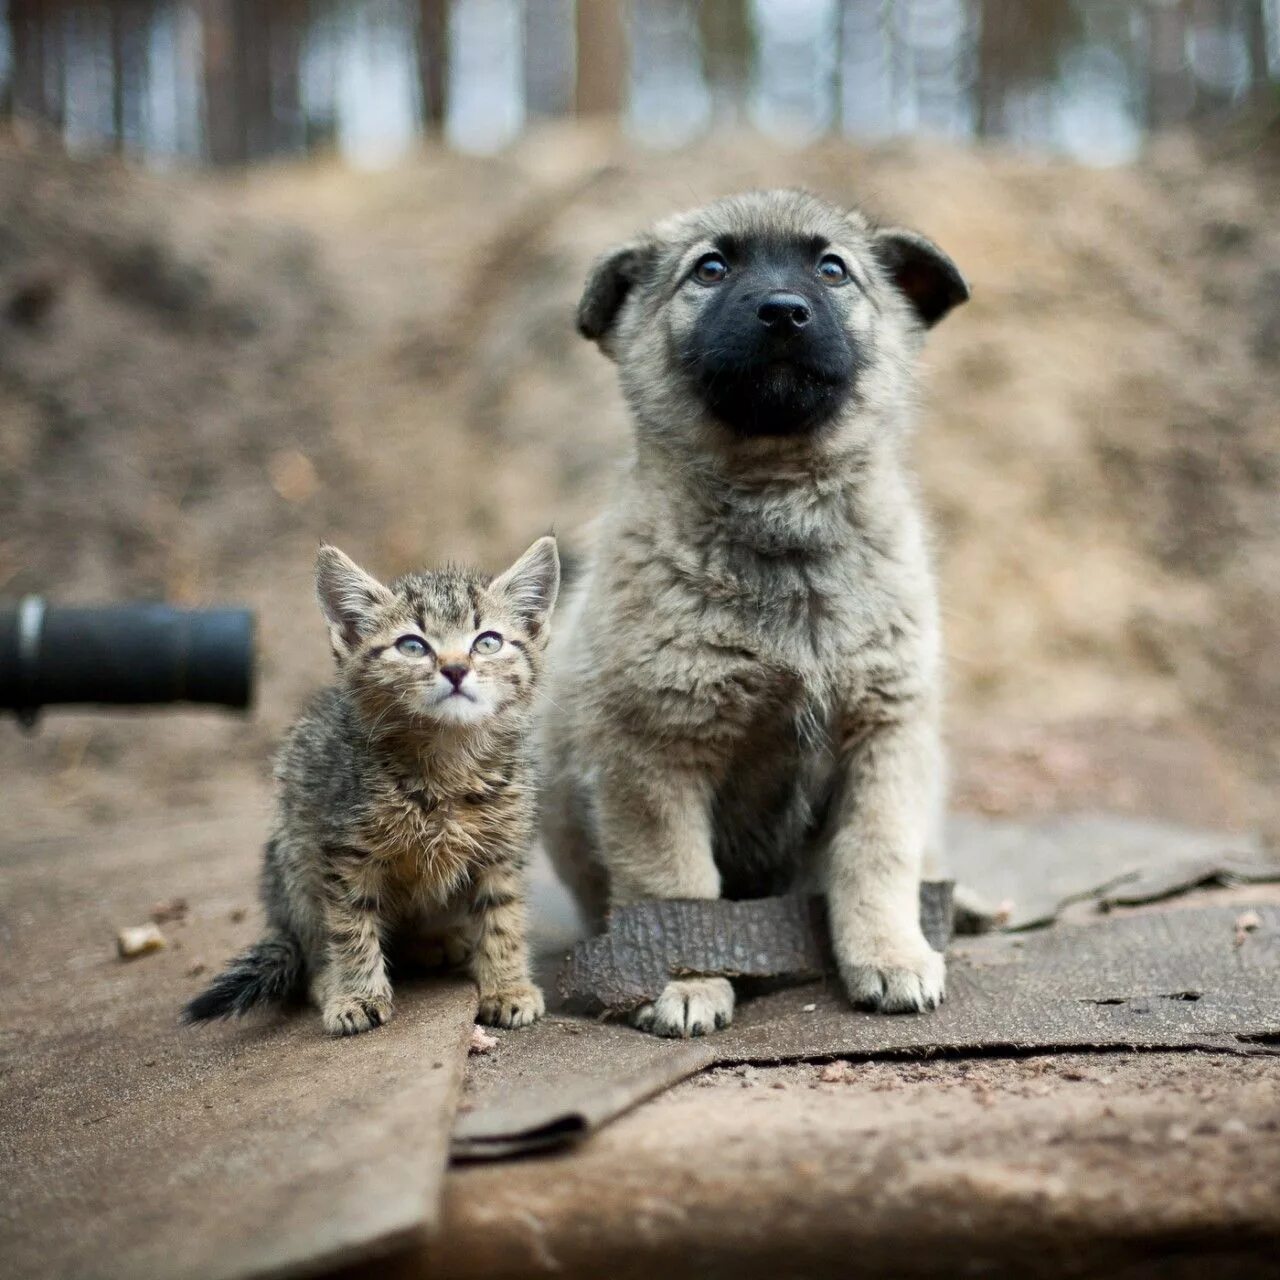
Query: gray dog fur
746, 680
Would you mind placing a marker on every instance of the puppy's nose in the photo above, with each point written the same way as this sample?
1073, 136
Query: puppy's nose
455, 673
784, 311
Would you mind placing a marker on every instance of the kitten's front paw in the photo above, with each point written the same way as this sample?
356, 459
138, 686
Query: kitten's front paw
350, 1015
905, 976
515, 1006
688, 1007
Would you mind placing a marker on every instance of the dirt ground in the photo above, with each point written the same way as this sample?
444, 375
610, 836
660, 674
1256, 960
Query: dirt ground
201, 375
1070, 1165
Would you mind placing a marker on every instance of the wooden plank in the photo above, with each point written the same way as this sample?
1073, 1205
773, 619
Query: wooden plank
134, 1147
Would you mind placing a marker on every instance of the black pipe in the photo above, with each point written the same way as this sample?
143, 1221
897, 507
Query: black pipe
124, 654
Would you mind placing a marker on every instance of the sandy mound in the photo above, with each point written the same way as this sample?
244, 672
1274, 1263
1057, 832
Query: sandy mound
200, 376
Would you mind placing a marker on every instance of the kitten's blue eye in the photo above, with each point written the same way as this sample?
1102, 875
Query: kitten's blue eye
412, 647
489, 642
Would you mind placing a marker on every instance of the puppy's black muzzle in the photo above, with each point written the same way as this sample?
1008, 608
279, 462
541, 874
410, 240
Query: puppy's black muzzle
770, 361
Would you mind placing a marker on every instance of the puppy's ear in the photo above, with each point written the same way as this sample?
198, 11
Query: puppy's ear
532, 584
931, 282
349, 598
608, 283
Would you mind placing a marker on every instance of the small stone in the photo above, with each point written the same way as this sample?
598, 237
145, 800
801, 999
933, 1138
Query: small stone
166, 912
196, 968
1246, 923
139, 941
809, 1008
238, 915
481, 1041
834, 1073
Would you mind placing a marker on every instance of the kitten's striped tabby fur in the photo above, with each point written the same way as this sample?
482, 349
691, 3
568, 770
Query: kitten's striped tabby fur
405, 798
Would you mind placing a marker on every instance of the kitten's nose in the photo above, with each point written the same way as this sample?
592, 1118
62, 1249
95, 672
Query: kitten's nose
455, 673
785, 311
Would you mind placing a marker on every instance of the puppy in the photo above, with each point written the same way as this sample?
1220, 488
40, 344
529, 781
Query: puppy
745, 686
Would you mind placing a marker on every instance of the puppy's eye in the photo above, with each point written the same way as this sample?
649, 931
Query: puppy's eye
832, 270
489, 642
412, 646
711, 268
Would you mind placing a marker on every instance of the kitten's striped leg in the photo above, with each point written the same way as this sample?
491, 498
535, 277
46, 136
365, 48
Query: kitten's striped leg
352, 990
499, 960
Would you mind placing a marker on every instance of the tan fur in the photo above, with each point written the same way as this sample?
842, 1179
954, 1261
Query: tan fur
746, 680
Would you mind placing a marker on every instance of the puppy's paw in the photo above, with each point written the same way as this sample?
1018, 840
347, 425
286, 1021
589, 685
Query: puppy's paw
350, 1015
688, 1007
514, 1006
906, 976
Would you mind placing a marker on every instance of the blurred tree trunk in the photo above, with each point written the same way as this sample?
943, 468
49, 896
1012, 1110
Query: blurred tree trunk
1019, 45
602, 57
226, 139
254, 31
27, 27
1170, 92
548, 57
130, 23
117, 18
728, 53
288, 22
1257, 28
433, 63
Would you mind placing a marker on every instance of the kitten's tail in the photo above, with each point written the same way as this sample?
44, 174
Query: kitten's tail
270, 972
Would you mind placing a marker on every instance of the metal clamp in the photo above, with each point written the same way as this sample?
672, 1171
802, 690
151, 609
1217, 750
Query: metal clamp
30, 627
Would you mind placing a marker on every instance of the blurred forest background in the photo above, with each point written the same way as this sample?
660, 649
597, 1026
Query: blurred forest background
277, 269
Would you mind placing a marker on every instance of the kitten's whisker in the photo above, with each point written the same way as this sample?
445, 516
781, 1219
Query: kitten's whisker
539, 692
378, 722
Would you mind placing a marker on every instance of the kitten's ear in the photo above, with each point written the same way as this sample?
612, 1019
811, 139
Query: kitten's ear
532, 583
349, 597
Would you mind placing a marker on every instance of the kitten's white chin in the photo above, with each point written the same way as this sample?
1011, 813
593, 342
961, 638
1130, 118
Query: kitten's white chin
455, 709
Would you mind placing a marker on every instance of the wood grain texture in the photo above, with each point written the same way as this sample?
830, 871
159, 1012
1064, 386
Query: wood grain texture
136, 1148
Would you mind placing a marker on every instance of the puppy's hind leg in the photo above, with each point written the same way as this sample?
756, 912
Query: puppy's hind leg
571, 840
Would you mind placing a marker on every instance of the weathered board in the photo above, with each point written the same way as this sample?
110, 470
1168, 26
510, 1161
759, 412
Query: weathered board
133, 1147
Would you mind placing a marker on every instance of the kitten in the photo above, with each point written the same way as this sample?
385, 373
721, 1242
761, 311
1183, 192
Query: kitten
406, 798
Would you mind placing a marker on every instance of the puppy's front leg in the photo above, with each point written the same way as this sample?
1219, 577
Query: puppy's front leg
888, 802
656, 840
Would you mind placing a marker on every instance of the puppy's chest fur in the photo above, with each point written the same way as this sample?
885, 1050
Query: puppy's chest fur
743, 642
754, 653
